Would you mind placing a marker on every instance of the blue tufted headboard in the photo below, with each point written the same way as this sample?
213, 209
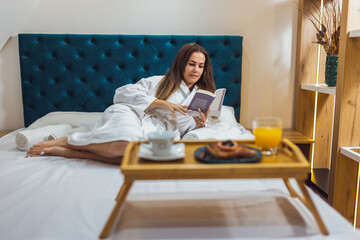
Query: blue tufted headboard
80, 72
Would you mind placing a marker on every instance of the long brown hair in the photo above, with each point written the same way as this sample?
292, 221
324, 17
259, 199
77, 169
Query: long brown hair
172, 79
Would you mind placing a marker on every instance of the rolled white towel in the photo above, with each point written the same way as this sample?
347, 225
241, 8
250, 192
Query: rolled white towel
28, 137
219, 131
192, 135
66, 132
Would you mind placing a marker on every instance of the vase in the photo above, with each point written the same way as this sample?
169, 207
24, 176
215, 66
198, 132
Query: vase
331, 70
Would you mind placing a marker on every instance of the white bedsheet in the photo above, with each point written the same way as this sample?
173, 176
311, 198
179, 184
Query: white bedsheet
57, 198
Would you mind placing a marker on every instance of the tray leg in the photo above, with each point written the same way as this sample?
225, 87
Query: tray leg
311, 206
291, 190
119, 201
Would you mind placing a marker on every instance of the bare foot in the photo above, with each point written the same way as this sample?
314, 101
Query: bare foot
57, 151
38, 149
61, 142
49, 151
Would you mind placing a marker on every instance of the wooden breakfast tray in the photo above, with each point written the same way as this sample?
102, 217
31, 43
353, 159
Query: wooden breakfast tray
289, 162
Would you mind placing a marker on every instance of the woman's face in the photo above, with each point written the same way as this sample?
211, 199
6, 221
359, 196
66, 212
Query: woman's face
194, 69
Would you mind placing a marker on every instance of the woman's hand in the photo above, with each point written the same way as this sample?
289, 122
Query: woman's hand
172, 107
200, 121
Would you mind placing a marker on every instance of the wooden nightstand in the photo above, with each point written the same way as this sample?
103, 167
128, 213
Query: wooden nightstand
4, 132
303, 142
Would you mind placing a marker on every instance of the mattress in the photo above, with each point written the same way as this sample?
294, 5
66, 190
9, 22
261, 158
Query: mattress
58, 198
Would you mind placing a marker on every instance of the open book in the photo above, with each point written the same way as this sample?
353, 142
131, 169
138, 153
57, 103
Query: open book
204, 99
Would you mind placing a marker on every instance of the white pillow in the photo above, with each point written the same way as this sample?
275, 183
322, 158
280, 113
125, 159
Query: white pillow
75, 119
227, 116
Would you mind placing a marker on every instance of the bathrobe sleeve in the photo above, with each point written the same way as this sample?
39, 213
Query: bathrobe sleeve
138, 96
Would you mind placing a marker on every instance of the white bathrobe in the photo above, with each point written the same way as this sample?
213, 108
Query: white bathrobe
128, 120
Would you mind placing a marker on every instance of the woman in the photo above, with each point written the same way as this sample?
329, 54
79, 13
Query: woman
152, 104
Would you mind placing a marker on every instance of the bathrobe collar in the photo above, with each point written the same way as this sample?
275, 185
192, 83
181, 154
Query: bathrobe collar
184, 88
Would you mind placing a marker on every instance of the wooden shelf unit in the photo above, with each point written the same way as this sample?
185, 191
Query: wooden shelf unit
344, 180
333, 122
354, 33
314, 101
322, 88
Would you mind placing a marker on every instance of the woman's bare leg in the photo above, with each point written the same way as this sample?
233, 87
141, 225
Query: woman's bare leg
108, 150
71, 153
63, 142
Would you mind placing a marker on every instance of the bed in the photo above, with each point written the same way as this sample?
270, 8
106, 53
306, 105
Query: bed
70, 79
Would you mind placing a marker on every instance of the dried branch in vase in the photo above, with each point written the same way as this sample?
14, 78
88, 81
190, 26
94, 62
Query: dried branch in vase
326, 21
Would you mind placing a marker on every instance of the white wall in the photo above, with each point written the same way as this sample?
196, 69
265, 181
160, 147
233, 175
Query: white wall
268, 27
12, 16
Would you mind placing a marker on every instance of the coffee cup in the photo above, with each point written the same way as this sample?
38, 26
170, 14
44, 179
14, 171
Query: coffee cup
161, 142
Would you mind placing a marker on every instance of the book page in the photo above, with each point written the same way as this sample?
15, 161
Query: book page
215, 107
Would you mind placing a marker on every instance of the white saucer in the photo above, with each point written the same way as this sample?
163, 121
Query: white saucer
177, 151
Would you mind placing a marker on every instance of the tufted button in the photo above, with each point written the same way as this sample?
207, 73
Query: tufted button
107, 54
108, 79
97, 93
172, 42
223, 69
145, 41
43, 93
70, 93
39, 39
146, 67
134, 80
41, 68
119, 41
95, 67
83, 80
56, 80
67, 40
82, 107
54, 54
56, 105
92, 41
236, 81
133, 54
121, 66
80, 55
160, 55
225, 42
68, 67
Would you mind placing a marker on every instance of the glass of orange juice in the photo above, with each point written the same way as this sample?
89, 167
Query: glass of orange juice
267, 132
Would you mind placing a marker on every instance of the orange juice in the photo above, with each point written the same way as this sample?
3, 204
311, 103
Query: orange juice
267, 137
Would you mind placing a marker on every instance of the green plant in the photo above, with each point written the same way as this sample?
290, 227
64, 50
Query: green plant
325, 18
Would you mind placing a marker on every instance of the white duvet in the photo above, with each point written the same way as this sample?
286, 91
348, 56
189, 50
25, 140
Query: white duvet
56, 198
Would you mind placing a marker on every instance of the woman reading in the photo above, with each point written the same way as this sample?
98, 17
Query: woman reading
141, 108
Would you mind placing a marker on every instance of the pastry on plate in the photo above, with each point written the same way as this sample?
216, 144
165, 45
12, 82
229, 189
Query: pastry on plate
229, 149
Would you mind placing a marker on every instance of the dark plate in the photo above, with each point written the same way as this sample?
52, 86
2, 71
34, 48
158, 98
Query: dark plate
202, 155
